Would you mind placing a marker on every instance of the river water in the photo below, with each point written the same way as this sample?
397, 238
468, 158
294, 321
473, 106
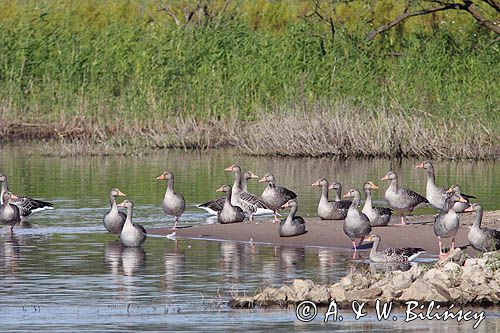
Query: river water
62, 272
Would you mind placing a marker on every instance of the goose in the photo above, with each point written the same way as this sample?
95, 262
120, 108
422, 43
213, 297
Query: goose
9, 213
460, 207
131, 234
392, 254
173, 203
292, 225
113, 221
356, 224
213, 207
378, 216
446, 224
249, 202
435, 195
482, 239
275, 196
401, 198
338, 192
229, 213
26, 205
330, 210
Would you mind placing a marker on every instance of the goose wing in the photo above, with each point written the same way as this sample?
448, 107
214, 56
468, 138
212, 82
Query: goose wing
215, 205
28, 205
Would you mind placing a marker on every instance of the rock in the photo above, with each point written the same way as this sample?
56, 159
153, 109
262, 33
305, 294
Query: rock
337, 293
402, 281
320, 295
457, 256
364, 294
302, 288
424, 291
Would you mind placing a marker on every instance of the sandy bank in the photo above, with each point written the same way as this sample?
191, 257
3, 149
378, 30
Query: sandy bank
330, 234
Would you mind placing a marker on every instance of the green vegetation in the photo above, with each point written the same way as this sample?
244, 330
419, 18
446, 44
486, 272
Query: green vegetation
123, 72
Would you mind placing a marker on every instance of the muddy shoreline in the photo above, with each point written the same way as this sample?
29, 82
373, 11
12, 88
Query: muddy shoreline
330, 234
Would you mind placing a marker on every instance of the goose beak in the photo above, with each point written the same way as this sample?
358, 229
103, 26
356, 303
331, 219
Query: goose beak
220, 189
253, 175
462, 200
286, 205
469, 209
121, 204
346, 195
385, 178
420, 166
13, 196
330, 187
373, 186
121, 194
229, 168
262, 180
369, 238
161, 177
316, 183
449, 190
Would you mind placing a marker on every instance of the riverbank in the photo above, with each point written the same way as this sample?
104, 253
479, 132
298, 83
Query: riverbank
455, 280
339, 130
330, 233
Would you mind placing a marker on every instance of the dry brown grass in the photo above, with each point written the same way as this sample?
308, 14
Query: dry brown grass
345, 131
313, 131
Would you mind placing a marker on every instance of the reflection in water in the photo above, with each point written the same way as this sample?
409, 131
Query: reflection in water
124, 260
174, 264
380, 267
230, 260
10, 253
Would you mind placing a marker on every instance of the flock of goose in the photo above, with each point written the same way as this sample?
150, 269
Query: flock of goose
238, 204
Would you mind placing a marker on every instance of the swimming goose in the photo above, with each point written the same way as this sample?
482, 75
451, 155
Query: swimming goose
173, 203
378, 216
229, 213
26, 205
446, 224
113, 221
292, 225
460, 207
482, 239
249, 202
435, 195
392, 254
131, 234
9, 213
330, 210
275, 196
356, 224
401, 198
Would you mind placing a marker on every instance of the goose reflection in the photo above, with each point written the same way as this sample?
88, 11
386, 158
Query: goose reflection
124, 260
287, 263
10, 253
382, 267
230, 259
174, 264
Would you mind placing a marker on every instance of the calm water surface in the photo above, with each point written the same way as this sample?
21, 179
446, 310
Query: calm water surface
63, 273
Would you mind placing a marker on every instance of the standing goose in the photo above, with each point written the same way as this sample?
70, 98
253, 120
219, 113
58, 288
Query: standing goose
26, 205
356, 224
113, 221
131, 234
275, 196
401, 198
249, 202
9, 213
229, 213
173, 203
292, 225
378, 216
446, 223
330, 210
391, 254
213, 207
435, 195
482, 239
460, 207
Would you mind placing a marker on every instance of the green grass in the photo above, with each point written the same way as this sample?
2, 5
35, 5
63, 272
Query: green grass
93, 63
